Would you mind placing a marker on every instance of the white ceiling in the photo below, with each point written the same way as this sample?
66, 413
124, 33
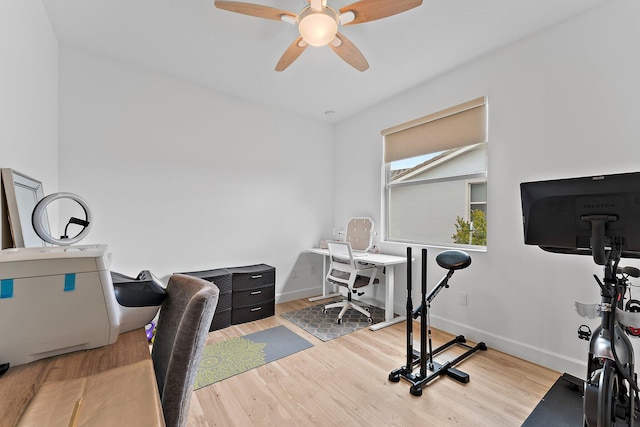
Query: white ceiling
236, 54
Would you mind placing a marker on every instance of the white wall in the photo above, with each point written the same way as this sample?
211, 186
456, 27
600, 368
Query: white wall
562, 103
28, 93
183, 178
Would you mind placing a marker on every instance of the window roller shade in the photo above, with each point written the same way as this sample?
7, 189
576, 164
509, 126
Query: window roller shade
458, 126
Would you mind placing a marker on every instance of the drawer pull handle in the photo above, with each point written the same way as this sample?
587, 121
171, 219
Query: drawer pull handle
257, 276
256, 293
256, 308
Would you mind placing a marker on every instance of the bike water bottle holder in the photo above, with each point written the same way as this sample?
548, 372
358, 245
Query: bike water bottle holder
629, 318
632, 306
591, 311
631, 321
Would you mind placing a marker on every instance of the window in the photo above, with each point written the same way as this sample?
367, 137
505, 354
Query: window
436, 178
478, 196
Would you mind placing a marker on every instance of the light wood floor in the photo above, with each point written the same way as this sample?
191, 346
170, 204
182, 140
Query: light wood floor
343, 382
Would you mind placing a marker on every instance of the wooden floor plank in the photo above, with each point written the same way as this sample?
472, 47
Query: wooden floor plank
345, 382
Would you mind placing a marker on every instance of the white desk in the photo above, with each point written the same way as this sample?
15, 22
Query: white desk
379, 260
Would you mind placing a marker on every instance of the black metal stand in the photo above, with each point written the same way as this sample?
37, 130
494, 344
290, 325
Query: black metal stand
453, 260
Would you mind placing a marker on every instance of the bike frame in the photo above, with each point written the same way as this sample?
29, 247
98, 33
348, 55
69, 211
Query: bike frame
610, 390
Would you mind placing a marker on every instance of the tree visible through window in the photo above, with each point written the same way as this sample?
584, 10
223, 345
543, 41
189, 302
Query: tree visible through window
473, 232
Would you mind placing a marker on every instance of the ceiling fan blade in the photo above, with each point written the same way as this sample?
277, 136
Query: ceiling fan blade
349, 53
253, 9
370, 10
291, 54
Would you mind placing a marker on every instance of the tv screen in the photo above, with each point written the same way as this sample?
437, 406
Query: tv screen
583, 215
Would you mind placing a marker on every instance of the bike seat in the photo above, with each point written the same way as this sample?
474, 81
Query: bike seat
453, 260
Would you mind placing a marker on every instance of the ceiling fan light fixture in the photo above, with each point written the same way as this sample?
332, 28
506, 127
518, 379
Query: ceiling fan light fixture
318, 24
318, 27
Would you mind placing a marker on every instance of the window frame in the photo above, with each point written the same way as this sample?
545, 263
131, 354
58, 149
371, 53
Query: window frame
470, 178
471, 182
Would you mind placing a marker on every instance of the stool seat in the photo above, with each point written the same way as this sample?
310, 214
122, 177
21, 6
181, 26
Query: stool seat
453, 260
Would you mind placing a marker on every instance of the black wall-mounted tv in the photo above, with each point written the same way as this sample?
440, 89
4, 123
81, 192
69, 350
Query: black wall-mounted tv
585, 215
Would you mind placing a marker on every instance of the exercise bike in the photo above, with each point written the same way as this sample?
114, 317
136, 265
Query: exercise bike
595, 216
611, 390
451, 260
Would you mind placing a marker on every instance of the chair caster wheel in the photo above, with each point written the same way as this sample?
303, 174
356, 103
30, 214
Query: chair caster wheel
416, 391
394, 377
369, 320
339, 321
324, 311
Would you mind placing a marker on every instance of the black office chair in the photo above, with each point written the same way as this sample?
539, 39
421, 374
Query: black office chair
183, 325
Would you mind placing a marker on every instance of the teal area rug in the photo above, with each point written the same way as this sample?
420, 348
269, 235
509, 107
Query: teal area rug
225, 359
324, 326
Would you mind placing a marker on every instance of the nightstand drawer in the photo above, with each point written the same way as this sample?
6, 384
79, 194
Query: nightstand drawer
224, 301
221, 320
255, 276
253, 296
251, 313
221, 277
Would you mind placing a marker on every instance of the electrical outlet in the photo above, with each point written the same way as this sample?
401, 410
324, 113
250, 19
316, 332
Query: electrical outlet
462, 298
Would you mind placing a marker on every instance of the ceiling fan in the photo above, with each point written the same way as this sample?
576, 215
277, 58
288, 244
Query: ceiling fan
318, 24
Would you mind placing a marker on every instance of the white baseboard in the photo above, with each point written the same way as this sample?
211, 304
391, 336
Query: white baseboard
519, 349
298, 294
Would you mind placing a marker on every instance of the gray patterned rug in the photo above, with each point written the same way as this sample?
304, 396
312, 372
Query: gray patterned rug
324, 326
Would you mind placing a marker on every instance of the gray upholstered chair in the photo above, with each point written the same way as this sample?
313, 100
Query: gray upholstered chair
183, 324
